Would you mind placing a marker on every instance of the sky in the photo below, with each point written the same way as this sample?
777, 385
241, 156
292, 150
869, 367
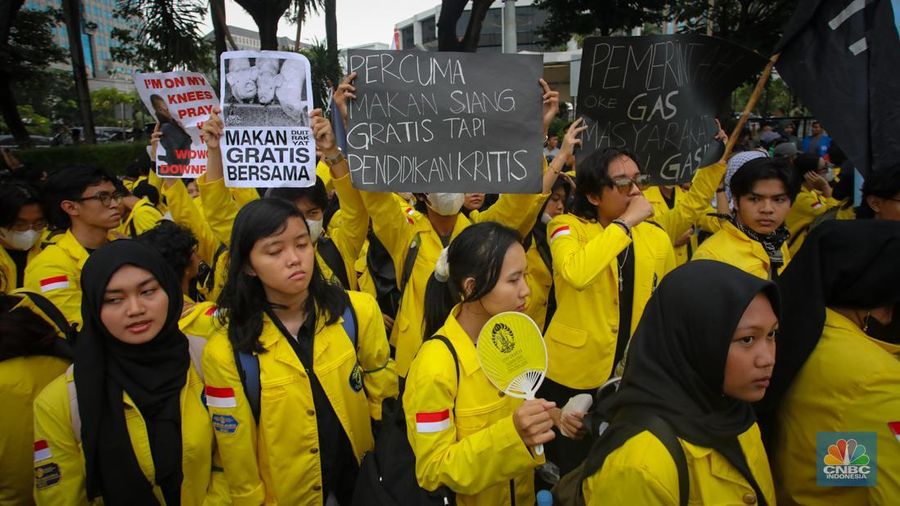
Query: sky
359, 21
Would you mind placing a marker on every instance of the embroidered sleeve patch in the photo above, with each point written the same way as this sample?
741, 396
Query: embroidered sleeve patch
46, 475
54, 283
41, 450
225, 424
433, 422
220, 397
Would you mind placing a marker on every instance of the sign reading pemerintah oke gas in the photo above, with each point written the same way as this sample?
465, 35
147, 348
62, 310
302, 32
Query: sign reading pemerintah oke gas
445, 122
657, 96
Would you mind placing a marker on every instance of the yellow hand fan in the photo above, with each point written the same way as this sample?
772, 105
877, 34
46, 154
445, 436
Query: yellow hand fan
513, 355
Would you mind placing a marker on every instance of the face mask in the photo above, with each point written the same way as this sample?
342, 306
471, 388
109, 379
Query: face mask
829, 176
545, 218
22, 241
315, 229
446, 204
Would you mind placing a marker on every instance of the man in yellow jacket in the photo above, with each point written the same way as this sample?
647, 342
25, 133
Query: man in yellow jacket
814, 199
85, 203
21, 225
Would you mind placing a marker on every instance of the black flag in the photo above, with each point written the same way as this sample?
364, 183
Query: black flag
842, 57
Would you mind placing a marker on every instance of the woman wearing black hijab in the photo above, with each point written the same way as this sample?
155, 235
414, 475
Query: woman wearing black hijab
692, 371
145, 437
835, 375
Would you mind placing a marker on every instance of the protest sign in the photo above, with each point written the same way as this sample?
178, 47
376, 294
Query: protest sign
657, 96
266, 99
445, 122
180, 102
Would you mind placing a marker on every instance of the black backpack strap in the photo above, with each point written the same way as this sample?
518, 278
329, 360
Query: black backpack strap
248, 369
211, 278
328, 250
408, 264
450, 347
62, 347
663, 431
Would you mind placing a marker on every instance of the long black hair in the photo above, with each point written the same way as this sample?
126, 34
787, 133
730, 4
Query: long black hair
243, 300
592, 176
477, 252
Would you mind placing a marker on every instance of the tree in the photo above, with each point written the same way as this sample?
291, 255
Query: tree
331, 28
755, 24
297, 15
107, 105
71, 13
451, 11
266, 14
326, 72
26, 51
601, 17
166, 35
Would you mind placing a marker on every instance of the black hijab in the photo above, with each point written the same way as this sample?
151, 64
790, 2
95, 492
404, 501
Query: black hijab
847, 264
152, 373
675, 367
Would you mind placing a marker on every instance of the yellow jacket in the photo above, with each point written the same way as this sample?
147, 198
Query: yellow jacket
185, 213
654, 196
9, 280
540, 280
733, 247
463, 436
581, 338
287, 436
396, 229
144, 215
848, 383
642, 472
59, 477
56, 274
809, 205
21, 380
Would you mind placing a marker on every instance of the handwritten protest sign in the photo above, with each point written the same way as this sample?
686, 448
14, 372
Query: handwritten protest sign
180, 102
266, 99
657, 96
448, 122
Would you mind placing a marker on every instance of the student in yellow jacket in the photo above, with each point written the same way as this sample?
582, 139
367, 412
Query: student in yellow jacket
663, 199
21, 225
139, 212
606, 264
755, 239
178, 246
85, 203
837, 377
693, 370
144, 434
319, 387
464, 435
33, 354
814, 199
427, 229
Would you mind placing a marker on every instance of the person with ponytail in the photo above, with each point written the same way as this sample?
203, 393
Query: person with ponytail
464, 435
322, 367
127, 423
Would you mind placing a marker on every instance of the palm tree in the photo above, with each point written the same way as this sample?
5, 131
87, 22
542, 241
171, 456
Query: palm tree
7, 100
266, 14
298, 12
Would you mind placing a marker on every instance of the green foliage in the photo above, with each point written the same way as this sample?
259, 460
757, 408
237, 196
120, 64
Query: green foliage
755, 24
113, 157
105, 103
168, 36
326, 71
31, 46
600, 17
52, 96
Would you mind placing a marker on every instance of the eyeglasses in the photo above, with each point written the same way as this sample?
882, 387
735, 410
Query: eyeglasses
105, 198
623, 184
37, 226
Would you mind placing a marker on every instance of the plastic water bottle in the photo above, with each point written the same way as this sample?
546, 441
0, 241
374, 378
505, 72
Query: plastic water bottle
544, 498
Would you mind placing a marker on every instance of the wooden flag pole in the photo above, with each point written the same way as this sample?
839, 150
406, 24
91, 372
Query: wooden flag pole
760, 84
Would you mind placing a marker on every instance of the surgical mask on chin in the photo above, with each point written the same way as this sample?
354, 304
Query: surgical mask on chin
545, 218
22, 241
315, 229
829, 176
445, 204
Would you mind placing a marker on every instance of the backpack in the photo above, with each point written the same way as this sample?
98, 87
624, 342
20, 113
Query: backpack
387, 474
248, 363
568, 491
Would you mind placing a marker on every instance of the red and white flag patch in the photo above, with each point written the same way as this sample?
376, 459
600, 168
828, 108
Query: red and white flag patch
220, 397
559, 232
817, 204
211, 311
895, 429
41, 450
433, 422
410, 213
54, 283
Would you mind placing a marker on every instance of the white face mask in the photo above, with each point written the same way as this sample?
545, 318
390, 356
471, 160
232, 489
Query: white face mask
315, 229
545, 218
445, 204
22, 241
829, 176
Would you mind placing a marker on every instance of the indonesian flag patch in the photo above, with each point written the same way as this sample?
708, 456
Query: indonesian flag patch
410, 213
433, 422
54, 283
895, 429
41, 450
559, 232
220, 397
211, 311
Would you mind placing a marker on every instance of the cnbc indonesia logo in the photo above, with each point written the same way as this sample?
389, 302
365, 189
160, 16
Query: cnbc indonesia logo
848, 460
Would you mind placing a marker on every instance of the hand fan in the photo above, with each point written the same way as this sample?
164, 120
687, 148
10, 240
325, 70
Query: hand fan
513, 356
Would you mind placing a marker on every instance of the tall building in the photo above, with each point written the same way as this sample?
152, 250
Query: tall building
97, 42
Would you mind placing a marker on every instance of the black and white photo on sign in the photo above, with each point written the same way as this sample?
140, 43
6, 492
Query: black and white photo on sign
265, 88
266, 100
